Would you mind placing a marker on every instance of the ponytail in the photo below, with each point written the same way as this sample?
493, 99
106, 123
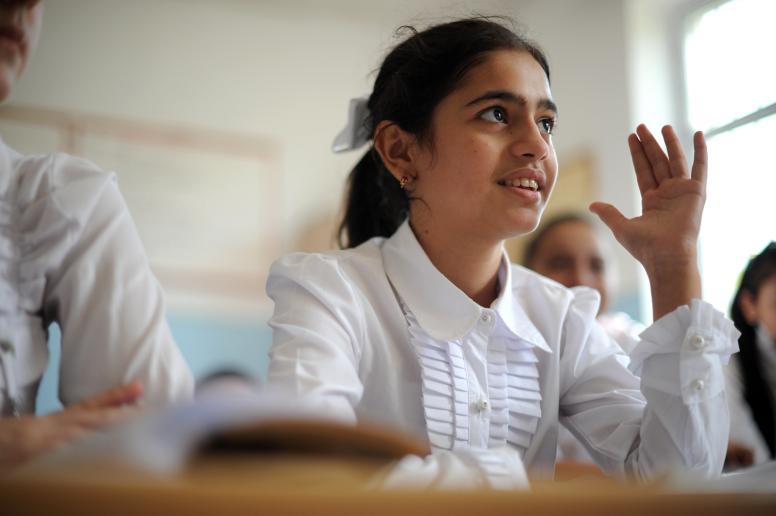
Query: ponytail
376, 205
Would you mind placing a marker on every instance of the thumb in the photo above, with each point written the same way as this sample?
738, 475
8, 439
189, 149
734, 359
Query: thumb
610, 216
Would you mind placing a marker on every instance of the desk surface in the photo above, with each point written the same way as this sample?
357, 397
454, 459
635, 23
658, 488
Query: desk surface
324, 487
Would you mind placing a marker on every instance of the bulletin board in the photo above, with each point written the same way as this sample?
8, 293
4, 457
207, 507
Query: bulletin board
205, 202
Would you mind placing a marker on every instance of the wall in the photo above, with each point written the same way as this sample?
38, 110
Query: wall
284, 71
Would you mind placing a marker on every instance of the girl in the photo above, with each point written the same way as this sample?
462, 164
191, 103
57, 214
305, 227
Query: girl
70, 254
752, 376
423, 324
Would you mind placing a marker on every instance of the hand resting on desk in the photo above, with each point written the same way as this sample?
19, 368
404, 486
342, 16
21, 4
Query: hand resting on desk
26, 437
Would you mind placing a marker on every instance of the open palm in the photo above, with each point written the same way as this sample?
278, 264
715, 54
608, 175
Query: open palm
672, 199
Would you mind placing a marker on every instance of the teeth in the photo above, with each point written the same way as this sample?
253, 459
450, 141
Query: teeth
522, 183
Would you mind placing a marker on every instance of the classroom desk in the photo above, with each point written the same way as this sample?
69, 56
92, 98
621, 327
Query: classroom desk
335, 486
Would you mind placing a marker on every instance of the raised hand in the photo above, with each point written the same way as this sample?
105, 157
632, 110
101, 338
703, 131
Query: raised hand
24, 438
664, 237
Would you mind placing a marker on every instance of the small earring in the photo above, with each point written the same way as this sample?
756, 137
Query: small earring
403, 182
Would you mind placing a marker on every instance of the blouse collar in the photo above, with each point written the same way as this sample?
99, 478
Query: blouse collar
441, 308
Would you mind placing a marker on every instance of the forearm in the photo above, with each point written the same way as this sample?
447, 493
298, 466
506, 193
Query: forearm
698, 445
685, 423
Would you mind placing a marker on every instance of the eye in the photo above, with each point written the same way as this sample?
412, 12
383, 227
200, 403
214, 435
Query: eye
597, 265
495, 114
560, 263
546, 125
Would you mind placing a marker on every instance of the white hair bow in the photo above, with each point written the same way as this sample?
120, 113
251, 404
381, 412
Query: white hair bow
355, 133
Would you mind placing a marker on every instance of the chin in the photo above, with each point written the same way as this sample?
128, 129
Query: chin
523, 223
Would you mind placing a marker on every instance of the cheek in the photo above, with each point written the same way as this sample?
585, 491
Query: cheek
768, 319
467, 163
551, 169
600, 285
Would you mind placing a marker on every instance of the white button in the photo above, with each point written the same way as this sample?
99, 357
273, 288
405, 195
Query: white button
485, 317
697, 342
483, 405
698, 385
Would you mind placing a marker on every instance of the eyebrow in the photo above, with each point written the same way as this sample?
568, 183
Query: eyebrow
520, 100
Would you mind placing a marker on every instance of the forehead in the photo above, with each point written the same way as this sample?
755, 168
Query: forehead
511, 70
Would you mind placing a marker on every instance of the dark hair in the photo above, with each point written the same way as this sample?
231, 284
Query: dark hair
756, 391
536, 238
413, 79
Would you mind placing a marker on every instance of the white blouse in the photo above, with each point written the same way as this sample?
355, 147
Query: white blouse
70, 254
378, 333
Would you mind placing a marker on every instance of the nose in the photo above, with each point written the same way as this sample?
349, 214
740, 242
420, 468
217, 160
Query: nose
580, 275
529, 142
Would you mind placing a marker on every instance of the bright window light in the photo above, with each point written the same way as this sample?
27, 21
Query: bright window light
729, 62
740, 216
730, 76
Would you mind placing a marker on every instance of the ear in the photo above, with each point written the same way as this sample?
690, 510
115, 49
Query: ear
396, 148
747, 303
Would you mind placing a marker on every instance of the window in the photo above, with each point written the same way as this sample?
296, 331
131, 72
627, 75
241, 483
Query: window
730, 82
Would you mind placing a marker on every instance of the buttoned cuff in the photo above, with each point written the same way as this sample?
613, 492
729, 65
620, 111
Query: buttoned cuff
683, 352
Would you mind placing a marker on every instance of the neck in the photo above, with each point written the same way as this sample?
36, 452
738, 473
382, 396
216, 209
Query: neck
470, 264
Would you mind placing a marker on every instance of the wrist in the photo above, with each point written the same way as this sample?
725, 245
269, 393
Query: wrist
678, 262
673, 283
672, 270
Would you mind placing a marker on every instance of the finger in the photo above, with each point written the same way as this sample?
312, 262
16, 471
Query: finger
700, 158
95, 418
115, 397
102, 417
657, 158
644, 176
610, 216
677, 163
40, 435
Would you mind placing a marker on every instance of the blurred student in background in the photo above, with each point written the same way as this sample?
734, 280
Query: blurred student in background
70, 254
567, 249
751, 376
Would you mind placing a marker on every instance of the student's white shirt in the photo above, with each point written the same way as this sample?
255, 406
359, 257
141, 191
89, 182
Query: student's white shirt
743, 428
70, 254
625, 332
377, 333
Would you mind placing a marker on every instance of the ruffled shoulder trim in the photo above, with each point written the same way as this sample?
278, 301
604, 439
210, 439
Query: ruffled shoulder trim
43, 210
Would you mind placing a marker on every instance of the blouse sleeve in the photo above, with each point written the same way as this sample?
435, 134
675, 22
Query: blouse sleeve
314, 353
105, 298
675, 417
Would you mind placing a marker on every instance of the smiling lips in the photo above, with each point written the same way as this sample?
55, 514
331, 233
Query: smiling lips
523, 182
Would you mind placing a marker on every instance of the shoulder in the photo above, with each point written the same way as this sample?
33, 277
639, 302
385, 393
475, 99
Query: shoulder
332, 271
73, 184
